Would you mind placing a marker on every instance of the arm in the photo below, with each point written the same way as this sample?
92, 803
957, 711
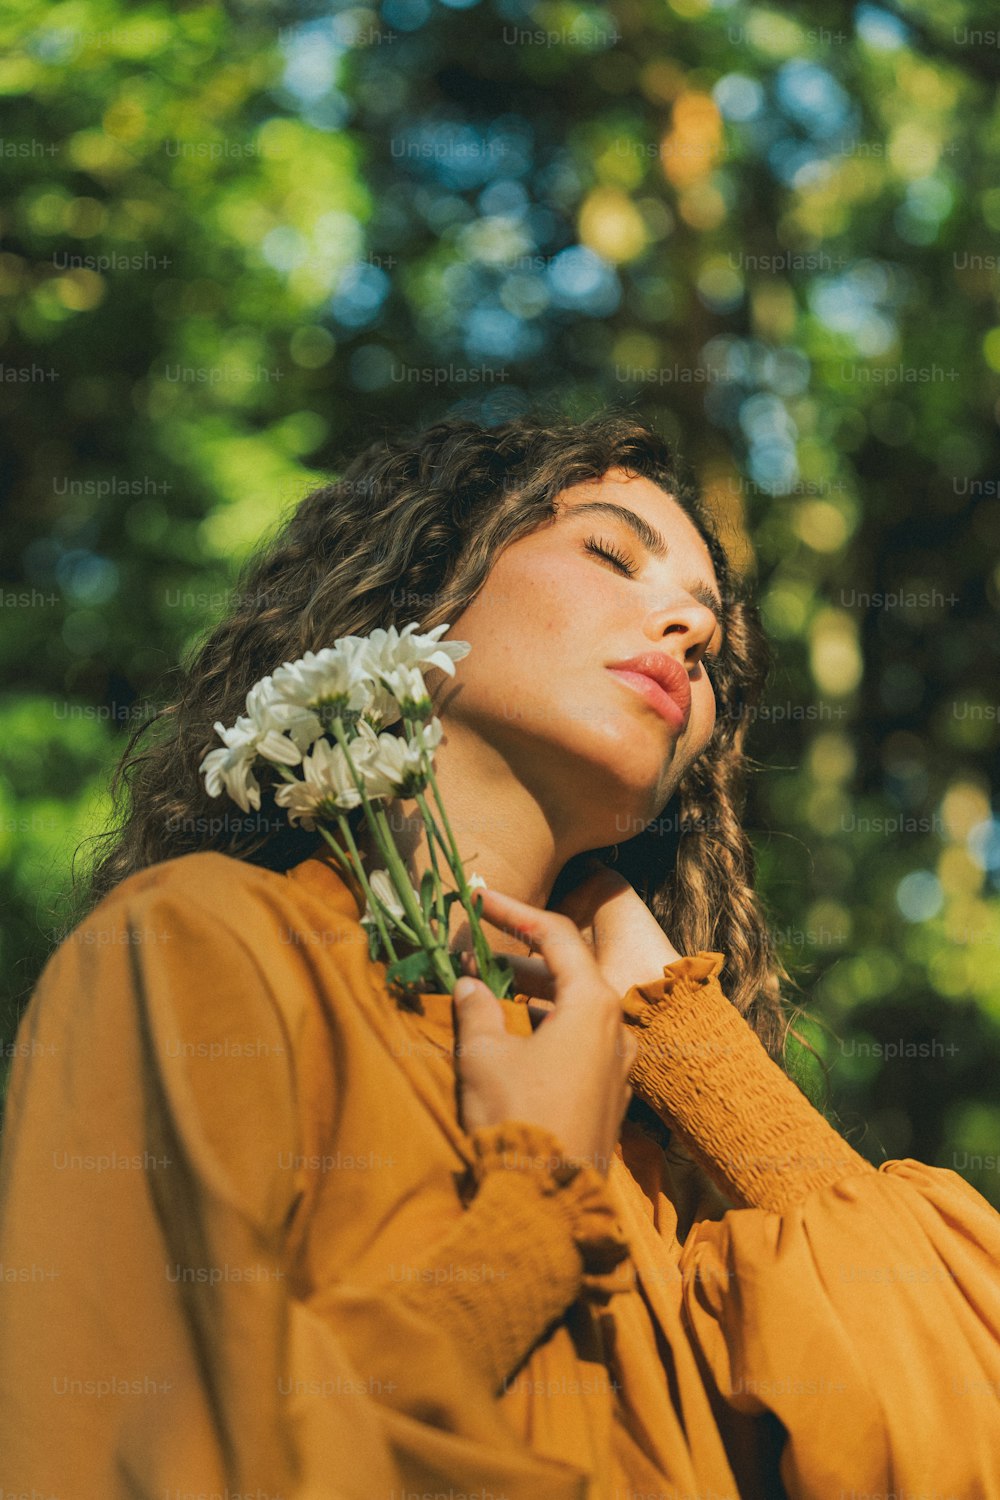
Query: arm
179, 1051
431, 1350
859, 1306
539, 1232
707, 1075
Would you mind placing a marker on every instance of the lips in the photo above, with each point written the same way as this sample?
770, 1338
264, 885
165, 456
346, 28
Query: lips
662, 681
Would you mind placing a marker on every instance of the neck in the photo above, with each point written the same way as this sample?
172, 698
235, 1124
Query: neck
499, 826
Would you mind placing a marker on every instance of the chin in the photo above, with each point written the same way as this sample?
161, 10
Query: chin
630, 790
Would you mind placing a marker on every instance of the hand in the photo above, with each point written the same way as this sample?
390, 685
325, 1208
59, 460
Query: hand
627, 942
571, 1075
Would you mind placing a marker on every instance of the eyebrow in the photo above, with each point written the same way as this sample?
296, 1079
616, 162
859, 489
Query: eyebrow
655, 544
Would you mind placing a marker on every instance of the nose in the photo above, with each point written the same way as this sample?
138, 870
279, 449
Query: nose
686, 624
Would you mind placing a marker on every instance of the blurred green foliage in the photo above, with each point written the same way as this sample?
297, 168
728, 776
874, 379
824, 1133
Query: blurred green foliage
237, 242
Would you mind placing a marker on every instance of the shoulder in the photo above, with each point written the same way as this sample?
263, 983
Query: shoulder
215, 944
208, 889
203, 879
194, 973
198, 905
203, 918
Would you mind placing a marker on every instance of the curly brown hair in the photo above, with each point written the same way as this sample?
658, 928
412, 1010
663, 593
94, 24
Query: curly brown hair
411, 531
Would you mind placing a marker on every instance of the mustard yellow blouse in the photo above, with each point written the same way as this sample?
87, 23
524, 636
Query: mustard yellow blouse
246, 1249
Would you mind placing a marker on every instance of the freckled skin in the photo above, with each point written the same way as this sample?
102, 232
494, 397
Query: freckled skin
549, 618
546, 753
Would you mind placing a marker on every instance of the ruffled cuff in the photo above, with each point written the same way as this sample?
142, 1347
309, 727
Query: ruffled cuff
643, 1002
537, 1233
573, 1189
707, 1075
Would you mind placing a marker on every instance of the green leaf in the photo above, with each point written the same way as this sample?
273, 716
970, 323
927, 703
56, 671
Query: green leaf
411, 976
410, 970
501, 978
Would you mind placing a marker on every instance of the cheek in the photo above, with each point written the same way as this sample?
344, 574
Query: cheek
511, 626
528, 599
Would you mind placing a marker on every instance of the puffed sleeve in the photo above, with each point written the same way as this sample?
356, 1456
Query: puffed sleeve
159, 1056
858, 1306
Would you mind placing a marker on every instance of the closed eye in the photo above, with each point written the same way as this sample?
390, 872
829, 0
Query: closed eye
612, 554
713, 664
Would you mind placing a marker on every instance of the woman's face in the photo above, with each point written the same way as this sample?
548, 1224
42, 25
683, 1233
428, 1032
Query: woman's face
536, 691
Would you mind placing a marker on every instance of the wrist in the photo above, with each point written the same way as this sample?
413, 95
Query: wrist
704, 1071
570, 1188
652, 1014
537, 1233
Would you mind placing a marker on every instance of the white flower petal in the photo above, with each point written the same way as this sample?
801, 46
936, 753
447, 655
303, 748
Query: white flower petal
337, 671
226, 771
278, 748
384, 888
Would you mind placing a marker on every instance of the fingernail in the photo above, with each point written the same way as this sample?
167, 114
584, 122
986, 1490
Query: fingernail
464, 989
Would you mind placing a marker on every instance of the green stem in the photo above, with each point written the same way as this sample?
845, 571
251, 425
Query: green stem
373, 901
389, 853
427, 940
434, 833
347, 869
351, 867
382, 834
368, 893
484, 955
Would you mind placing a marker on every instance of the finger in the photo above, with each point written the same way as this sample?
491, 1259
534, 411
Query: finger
539, 1009
532, 976
477, 1013
562, 946
629, 1050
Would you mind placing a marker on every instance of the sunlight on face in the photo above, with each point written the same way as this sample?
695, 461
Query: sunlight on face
559, 605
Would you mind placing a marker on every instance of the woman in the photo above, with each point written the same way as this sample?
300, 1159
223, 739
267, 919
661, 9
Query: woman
294, 1238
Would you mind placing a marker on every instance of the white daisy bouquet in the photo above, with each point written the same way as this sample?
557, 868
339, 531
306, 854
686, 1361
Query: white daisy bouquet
326, 717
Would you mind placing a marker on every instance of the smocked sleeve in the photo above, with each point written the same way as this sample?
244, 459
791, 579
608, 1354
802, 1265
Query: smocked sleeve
189, 1356
859, 1306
